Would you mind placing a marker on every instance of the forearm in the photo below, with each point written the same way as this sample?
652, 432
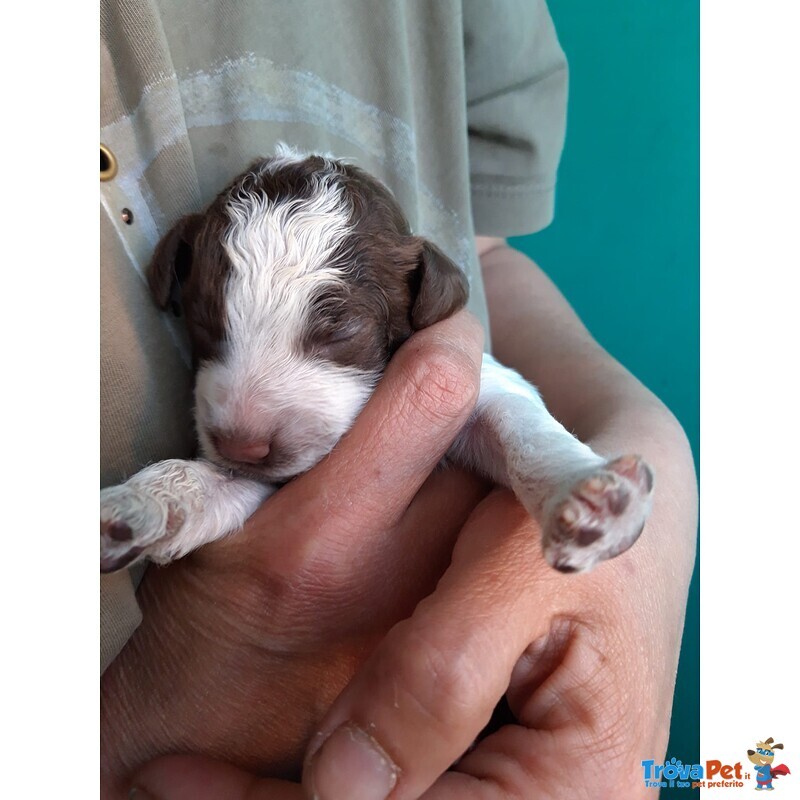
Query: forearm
535, 331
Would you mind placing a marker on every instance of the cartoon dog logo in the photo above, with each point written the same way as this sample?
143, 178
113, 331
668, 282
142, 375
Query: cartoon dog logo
762, 757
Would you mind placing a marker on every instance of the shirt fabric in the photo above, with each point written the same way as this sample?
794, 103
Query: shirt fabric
457, 105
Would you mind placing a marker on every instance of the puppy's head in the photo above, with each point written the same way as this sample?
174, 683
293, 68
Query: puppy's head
297, 284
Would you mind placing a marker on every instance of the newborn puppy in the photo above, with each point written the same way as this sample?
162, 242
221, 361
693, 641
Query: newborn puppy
298, 283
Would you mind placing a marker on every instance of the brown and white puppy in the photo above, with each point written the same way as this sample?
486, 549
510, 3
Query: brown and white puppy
298, 283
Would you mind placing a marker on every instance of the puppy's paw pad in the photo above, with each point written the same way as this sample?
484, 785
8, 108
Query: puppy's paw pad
117, 530
130, 524
635, 470
600, 516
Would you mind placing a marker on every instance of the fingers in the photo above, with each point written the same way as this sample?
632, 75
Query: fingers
432, 684
421, 403
519, 762
200, 778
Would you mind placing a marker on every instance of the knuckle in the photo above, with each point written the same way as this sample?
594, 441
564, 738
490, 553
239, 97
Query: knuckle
443, 383
444, 682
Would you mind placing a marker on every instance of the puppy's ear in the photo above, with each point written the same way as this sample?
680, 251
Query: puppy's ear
171, 263
439, 287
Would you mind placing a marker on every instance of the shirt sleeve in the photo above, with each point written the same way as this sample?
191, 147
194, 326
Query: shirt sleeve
516, 84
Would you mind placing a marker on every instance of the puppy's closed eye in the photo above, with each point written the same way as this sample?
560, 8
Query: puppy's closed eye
350, 341
342, 331
328, 334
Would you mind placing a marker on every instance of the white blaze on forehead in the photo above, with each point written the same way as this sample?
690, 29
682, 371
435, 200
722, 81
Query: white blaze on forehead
281, 253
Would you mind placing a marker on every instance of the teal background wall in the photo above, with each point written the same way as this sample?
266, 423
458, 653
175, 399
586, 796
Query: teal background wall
624, 247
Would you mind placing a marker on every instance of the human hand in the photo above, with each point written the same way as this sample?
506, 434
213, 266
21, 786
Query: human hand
587, 665
245, 644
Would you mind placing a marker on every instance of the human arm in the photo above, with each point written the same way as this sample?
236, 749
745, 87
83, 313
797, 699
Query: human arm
632, 608
625, 619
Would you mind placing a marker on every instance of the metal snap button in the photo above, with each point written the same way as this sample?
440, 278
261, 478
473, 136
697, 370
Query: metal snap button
108, 164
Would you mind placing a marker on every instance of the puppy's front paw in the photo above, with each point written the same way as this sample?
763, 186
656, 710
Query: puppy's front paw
132, 524
599, 516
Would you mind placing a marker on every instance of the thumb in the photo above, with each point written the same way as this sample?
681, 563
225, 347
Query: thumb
201, 778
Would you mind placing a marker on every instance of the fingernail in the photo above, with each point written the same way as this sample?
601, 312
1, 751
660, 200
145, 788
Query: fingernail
351, 765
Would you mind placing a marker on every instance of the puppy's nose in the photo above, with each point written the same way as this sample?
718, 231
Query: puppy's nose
248, 451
